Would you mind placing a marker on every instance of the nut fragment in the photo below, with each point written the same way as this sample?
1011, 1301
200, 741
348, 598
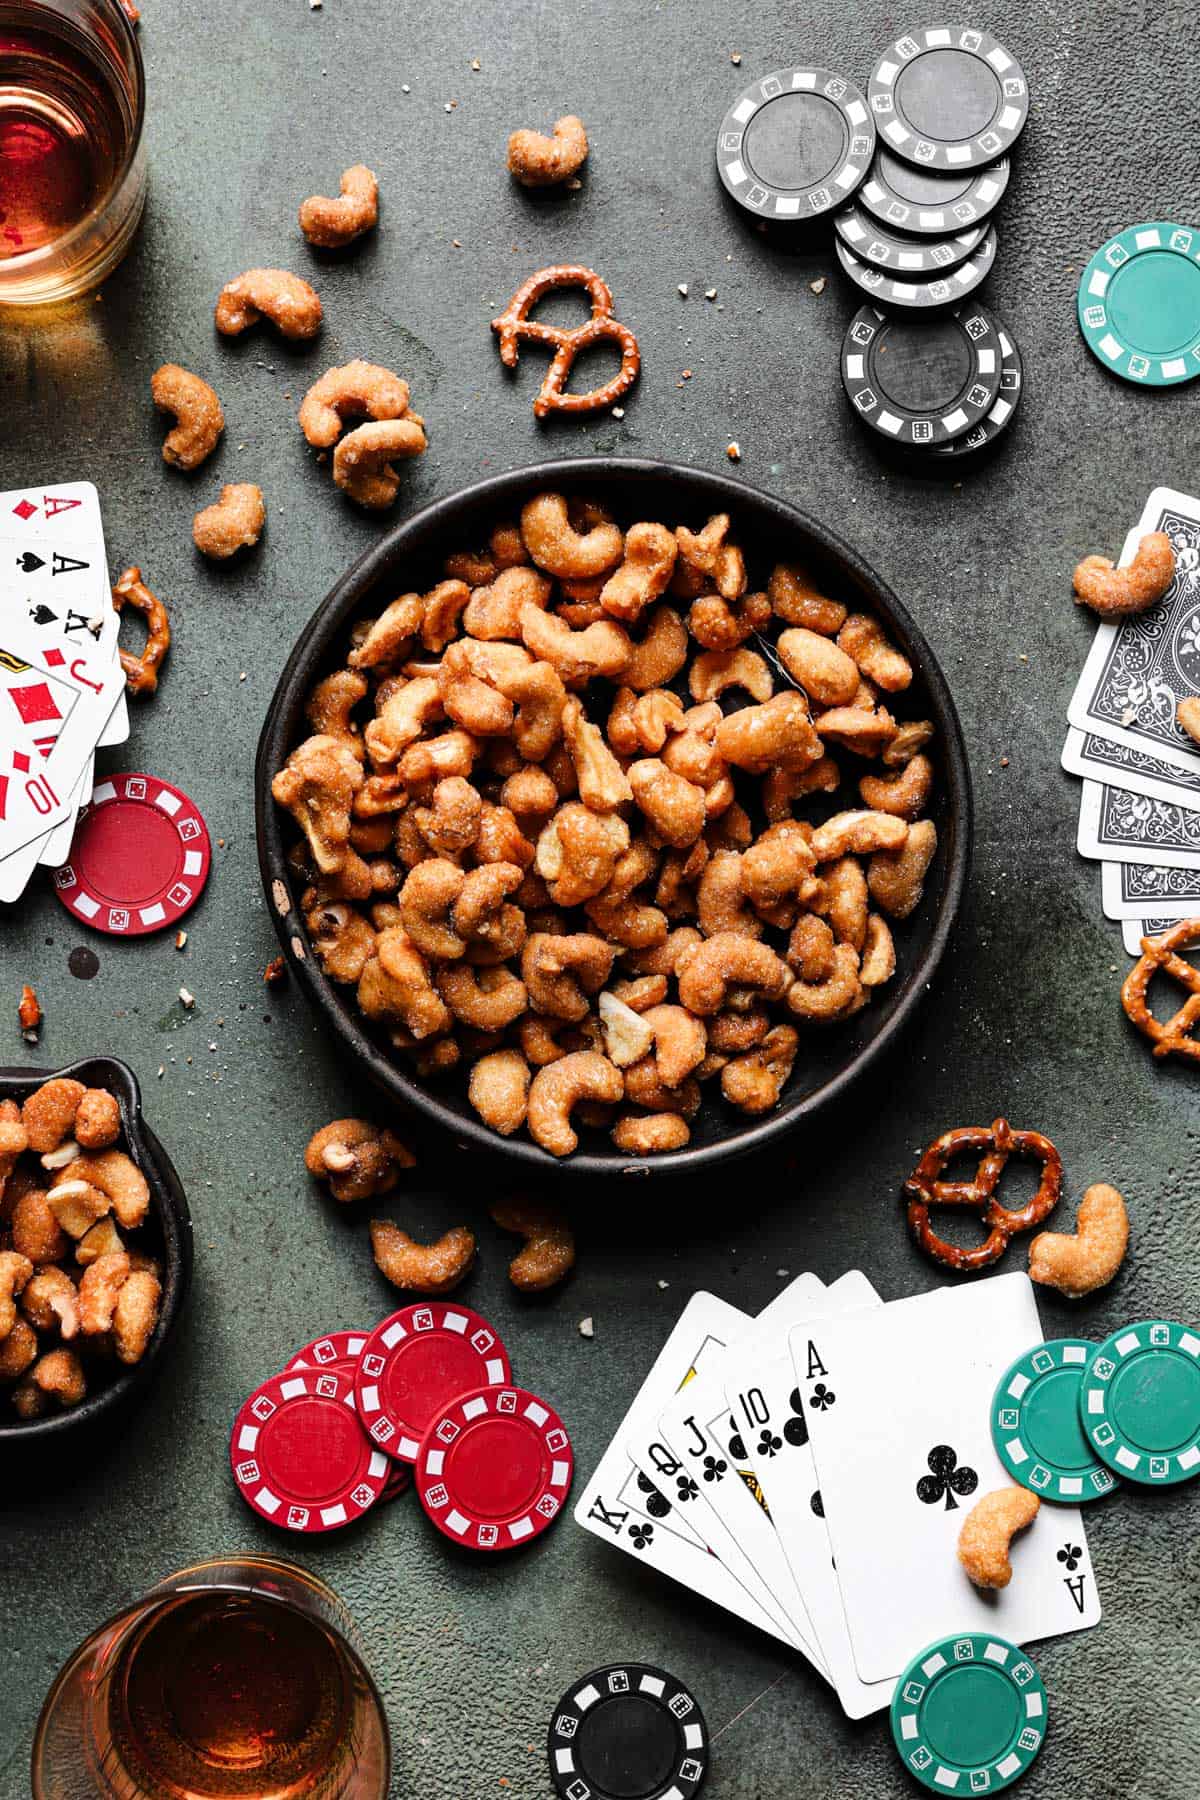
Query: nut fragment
357, 1159
627, 1035
422, 1268
1079, 1263
549, 1251
232, 523
331, 224
197, 412
987, 1533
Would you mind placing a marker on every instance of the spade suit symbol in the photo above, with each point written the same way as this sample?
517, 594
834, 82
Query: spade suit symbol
29, 562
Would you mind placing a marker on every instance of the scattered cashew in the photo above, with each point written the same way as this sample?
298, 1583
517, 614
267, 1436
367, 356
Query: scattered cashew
331, 224
987, 1533
232, 523
1187, 716
1115, 593
197, 412
549, 1252
357, 1159
537, 161
355, 390
362, 462
1078, 1263
291, 305
422, 1268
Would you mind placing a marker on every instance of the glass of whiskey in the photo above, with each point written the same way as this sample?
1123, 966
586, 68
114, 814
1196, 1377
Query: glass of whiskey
236, 1679
72, 163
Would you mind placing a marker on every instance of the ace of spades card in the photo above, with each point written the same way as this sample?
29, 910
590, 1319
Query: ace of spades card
899, 1406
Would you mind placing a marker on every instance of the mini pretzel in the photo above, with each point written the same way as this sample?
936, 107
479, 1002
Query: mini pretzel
141, 672
925, 1188
1169, 1036
515, 324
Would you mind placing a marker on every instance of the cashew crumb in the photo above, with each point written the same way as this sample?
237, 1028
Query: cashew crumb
683, 289
187, 997
734, 451
180, 939
586, 1328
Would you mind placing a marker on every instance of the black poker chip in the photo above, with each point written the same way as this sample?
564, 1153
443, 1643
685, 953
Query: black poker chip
628, 1732
795, 145
999, 415
948, 97
926, 202
921, 293
885, 247
923, 382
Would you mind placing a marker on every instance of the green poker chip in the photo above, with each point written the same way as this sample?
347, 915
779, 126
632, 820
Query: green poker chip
1139, 304
1036, 1426
969, 1714
1140, 1402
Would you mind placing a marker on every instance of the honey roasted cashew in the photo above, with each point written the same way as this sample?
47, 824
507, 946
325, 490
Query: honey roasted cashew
58, 1375
858, 834
51, 1302
561, 1086
538, 161
1078, 1263
489, 998
362, 462
560, 972
332, 223
600, 649
232, 523
798, 601
62, 1110
674, 806
136, 1314
357, 1159
754, 1082
498, 1089
896, 878
721, 624
549, 1252
354, 390
730, 960
649, 1134
558, 548
1115, 593
603, 785
905, 792
650, 552
778, 734
987, 1533
99, 1287
494, 611
862, 637
141, 672
292, 306
578, 851
199, 420
828, 675
429, 1269
317, 786
118, 1178
395, 984
659, 655
714, 671
15, 1272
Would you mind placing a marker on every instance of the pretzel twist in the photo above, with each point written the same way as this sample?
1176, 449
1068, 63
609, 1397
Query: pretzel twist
141, 672
925, 1188
1170, 1037
514, 324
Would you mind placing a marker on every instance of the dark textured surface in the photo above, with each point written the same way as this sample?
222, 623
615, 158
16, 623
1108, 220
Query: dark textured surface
251, 108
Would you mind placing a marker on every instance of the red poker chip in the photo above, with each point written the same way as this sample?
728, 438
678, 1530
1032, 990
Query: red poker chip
139, 858
334, 1347
415, 1362
299, 1454
495, 1468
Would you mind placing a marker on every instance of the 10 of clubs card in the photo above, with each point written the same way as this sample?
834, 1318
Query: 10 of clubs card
898, 1407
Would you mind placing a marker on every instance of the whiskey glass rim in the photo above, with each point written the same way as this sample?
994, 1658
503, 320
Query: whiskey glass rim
28, 260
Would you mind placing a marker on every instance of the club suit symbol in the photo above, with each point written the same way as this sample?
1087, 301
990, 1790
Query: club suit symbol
1070, 1556
945, 1478
822, 1397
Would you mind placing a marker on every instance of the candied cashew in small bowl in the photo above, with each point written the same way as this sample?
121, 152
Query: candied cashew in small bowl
625, 840
95, 1250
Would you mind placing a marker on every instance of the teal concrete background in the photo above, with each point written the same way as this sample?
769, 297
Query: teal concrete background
251, 108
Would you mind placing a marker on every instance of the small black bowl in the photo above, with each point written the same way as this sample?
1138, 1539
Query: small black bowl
166, 1234
409, 558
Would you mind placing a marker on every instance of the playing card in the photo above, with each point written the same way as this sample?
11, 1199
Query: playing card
1139, 667
623, 1507
789, 1485
1115, 825
51, 707
1133, 890
898, 1405
1097, 758
62, 508
699, 1447
1134, 930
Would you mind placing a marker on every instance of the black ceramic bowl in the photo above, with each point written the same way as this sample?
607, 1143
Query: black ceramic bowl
166, 1234
410, 557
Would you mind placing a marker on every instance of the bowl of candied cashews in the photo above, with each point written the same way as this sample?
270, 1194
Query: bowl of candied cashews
614, 815
95, 1249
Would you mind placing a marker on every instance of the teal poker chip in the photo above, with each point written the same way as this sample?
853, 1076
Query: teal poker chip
969, 1714
1036, 1425
1139, 304
1140, 1402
